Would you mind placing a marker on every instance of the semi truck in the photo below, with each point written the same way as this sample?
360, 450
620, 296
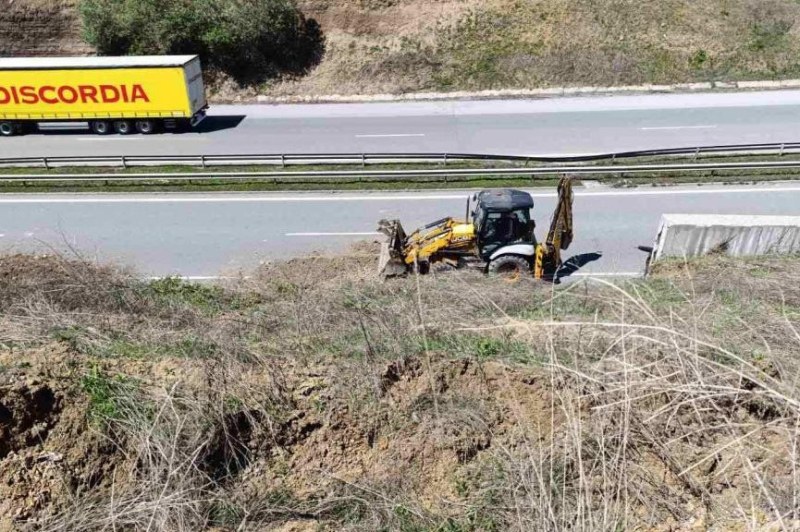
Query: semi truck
145, 94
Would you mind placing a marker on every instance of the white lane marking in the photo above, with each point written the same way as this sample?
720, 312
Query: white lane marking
196, 277
106, 139
606, 274
370, 233
675, 128
391, 135
334, 198
682, 192
225, 277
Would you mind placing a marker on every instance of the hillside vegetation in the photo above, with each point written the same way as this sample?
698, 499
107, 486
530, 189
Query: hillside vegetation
250, 40
395, 46
313, 397
411, 45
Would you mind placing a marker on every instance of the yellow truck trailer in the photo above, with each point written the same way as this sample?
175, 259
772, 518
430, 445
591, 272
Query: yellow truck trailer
119, 94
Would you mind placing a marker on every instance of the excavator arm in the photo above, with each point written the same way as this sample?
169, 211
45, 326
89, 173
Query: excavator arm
559, 237
402, 252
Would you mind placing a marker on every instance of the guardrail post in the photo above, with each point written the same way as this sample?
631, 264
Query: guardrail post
283, 160
202, 161
445, 161
44, 161
696, 153
782, 148
363, 159
124, 164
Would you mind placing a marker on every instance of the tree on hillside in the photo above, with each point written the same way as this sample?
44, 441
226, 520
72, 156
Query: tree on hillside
249, 39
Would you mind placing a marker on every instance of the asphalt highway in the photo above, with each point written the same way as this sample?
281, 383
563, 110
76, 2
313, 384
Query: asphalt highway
199, 235
581, 125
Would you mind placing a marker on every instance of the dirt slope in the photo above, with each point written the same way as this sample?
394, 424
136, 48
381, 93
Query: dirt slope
313, 397
379, 46
40, 28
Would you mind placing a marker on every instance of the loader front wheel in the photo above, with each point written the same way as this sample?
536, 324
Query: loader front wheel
509, 267
422, 267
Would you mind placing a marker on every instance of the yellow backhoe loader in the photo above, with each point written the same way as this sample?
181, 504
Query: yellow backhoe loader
497, 236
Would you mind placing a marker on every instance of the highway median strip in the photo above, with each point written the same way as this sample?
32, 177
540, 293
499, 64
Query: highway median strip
627, 171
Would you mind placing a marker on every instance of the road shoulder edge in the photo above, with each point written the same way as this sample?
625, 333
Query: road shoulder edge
553, 92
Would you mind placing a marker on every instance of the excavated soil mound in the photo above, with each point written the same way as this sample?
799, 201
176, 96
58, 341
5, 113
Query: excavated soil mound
48, 452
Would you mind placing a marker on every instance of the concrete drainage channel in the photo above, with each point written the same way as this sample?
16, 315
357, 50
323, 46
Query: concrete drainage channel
683, 236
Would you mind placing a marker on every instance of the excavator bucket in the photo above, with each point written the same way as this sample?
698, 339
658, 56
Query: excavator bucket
391, 261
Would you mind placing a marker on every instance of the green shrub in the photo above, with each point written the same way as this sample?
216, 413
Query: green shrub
699, 59
174, 291
248, 39
105, 394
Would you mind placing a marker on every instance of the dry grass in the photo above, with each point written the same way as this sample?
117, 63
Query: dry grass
411, 45
312, 395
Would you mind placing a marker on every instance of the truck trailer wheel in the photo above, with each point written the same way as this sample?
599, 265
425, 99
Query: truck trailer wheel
145, 127
122, 127
509, 267
100, 127
8, 129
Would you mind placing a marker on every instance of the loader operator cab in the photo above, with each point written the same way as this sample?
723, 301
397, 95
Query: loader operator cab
502, 218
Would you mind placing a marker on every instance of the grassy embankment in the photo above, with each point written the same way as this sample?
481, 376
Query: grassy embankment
398, 46
311, 396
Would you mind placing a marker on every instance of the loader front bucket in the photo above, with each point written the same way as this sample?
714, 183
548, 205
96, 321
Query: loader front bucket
391, 261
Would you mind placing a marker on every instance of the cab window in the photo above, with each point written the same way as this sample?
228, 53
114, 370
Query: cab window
506, 227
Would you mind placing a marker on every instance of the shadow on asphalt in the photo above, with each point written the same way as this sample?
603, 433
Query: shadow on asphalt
575, 263
217, 123
209, 125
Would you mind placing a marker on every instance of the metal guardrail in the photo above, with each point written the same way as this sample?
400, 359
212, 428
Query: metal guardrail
459, 174
365, 159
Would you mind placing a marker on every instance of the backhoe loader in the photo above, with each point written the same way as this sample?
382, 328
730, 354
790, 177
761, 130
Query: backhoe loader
497, 236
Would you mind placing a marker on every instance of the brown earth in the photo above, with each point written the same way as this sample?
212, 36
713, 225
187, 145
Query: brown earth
40, 28
314, 397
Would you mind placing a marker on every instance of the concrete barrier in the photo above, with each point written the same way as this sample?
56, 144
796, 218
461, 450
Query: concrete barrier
694, 235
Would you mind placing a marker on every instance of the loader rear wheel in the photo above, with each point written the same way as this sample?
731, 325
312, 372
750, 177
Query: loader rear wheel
509, 267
